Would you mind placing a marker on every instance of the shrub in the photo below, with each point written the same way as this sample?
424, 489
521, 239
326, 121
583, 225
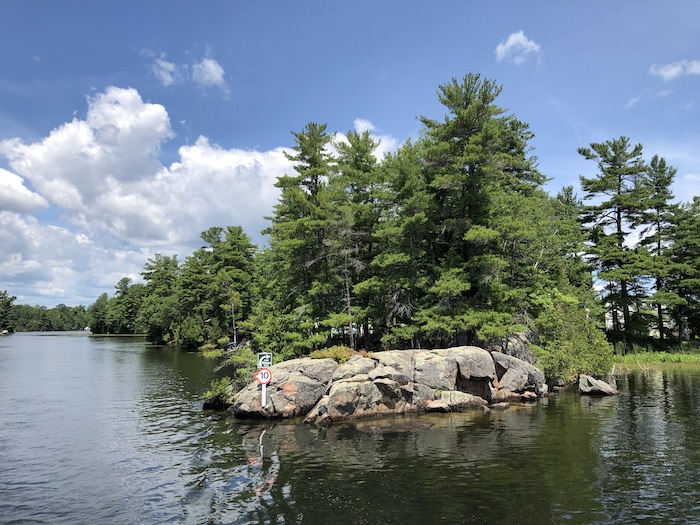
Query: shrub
339, 353
220, 387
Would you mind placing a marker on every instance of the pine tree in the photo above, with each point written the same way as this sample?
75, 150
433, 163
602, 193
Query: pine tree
404, 251
657, 223
684, 279
619, 183
299, 236
354, 189
487, 214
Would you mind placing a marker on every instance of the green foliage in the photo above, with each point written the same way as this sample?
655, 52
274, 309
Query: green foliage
571, 339
209, 351
222, 387
25, 318
244, 363
190, 332
5, 305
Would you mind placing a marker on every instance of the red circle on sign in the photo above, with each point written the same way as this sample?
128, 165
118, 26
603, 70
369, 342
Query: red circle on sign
263, 376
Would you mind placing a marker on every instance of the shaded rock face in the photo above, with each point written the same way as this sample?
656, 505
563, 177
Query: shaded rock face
516, 377
391, 382
517, 345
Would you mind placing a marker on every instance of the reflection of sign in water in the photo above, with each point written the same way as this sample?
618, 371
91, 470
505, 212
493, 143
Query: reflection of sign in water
264, 359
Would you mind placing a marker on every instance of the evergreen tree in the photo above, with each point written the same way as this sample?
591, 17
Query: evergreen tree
197, 321
97, 315
484, 185
353, 196
299, 241
123, 308
657, 223
159, 314
684, 279
403, 235
234, 267
619, 184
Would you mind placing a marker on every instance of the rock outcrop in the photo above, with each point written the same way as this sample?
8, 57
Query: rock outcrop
296, 387
391, 382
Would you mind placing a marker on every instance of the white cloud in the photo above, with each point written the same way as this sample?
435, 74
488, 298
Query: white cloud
208, 73
516, 48
84, 165
168, 73
105, 183
676, 69
205, 73
15, 196
632, 102
664, 93
361, 125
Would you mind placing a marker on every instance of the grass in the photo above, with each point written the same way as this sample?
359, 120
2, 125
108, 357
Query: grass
652, 358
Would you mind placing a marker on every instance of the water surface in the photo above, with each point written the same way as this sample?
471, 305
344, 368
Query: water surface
110, 430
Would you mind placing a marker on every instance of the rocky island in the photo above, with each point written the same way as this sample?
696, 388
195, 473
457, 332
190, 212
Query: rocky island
391, 382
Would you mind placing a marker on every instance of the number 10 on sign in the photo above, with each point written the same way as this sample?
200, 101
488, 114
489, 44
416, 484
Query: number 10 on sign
263, 376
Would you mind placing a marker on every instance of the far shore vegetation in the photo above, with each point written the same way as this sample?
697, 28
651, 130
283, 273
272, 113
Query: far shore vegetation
449, 240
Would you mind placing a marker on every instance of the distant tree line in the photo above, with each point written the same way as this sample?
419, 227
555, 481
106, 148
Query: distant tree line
449, 240
25, 318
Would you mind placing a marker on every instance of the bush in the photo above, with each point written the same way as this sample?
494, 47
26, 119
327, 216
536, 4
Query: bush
571, 335
339, 353
220, 387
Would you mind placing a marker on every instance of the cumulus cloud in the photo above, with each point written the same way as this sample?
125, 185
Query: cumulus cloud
113, 203
676, 69
15, 196
516, 48
84, 164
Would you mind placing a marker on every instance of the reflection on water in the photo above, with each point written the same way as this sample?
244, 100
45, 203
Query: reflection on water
103, 430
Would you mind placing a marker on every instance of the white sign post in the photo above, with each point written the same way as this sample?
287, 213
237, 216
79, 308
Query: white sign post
263, 376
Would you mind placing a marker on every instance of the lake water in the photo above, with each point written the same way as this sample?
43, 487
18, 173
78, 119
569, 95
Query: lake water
110, 430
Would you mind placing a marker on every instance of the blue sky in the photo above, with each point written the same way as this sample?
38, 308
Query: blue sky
128, 128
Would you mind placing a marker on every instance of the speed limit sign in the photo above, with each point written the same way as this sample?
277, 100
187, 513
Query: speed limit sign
263, 376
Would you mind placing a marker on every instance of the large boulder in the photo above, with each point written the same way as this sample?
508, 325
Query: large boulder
476, 371
296, 387
435, 371
595, 387
454, 401
515, 377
